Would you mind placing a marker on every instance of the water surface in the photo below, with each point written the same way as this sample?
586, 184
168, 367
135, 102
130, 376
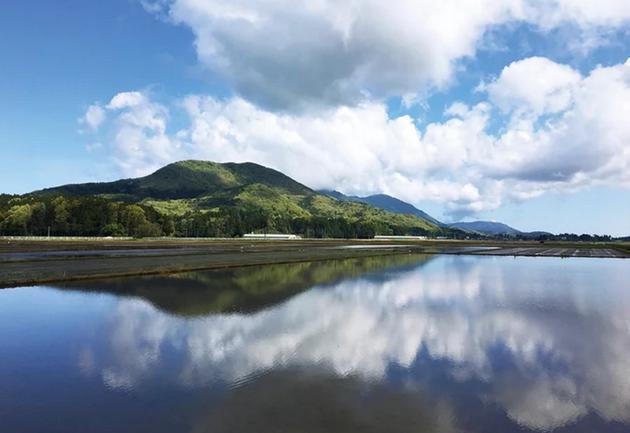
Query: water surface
393, 344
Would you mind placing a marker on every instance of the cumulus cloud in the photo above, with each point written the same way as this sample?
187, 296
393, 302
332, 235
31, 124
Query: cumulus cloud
138, 133
535, 85
94, 117
290, 55
561, 133
456, 309
586, 139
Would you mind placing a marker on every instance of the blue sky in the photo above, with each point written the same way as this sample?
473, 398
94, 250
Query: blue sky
467, 114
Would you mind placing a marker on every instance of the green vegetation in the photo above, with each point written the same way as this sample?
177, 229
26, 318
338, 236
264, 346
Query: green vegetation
200, 199
81, 216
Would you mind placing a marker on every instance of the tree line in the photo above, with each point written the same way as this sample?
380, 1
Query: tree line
96, 216
80, 216
31, 215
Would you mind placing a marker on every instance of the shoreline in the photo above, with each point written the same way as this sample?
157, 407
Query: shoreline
33, 262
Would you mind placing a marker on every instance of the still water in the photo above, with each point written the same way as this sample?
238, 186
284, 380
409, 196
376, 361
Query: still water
390, 344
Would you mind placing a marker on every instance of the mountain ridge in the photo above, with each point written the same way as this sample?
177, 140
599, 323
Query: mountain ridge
495, 228
486, 227
187, 179
386, 202
206, 199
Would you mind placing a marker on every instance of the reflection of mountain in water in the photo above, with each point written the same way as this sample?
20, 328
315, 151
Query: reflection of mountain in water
243, 289
546, 340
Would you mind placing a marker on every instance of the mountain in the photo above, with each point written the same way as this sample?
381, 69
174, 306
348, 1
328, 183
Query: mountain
537, 234
204, 198
386, 202
392, 204
186, 180
486, 227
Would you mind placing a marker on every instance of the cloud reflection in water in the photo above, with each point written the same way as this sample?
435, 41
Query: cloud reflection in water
562, 327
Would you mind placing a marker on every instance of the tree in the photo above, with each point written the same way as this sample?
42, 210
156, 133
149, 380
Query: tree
168, 226
133, 217
114, 229
38, 221
61, 212
17, 219
147, 230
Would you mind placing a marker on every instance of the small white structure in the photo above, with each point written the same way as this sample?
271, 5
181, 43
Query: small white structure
287, 237
400, 238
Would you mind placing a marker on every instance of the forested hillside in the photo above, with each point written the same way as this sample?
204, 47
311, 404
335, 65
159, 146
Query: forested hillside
198, 198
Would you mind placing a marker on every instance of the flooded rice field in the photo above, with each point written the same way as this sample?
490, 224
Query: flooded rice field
405, 343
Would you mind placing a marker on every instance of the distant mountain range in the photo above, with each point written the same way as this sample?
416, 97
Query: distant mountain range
213, 199
486, 227
385, 202
392, 204
493, 228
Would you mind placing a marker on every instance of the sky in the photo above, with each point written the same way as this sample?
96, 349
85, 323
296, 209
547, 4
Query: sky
510, 110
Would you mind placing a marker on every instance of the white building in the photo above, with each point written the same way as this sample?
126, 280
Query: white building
400, 238
271, 236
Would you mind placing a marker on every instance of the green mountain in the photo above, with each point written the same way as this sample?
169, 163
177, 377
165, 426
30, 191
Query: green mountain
199, 198
187, 180
386, 202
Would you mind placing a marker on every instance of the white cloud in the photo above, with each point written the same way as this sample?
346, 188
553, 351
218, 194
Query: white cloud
535, 85
287, 54
585, 142
94, 116
563, 131
139, 139
127, 100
